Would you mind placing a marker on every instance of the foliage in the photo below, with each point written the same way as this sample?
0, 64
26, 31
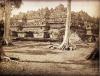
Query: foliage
15, 3
59, 14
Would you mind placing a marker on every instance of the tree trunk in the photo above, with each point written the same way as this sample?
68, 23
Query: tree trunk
7, 22
65, 43
95, 53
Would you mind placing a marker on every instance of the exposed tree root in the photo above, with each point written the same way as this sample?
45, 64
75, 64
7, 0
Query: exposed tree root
8, 43
6, 58
71, 47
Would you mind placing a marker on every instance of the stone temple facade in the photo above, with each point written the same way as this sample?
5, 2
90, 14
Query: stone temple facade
36, 22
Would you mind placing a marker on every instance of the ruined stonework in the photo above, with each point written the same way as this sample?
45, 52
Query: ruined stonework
36, 22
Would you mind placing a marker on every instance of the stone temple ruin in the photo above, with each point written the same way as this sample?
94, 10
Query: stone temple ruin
37, 21
36, 56
34, 24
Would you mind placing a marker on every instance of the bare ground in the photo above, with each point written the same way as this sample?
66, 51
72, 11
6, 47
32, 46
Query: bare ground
37, 59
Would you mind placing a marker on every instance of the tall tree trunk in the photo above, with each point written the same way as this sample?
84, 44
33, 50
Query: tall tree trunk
7, 22
65, 43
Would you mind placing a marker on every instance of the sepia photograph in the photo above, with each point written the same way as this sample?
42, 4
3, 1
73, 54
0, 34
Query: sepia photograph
49, 37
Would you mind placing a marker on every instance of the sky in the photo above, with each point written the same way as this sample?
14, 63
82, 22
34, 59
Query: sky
89, 6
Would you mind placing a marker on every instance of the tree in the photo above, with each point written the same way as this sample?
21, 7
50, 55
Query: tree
1, 38
95, 52
9, 4
65, 43
24, 19
47, 26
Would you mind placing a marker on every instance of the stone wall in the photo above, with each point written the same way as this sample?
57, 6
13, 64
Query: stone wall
55, 18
